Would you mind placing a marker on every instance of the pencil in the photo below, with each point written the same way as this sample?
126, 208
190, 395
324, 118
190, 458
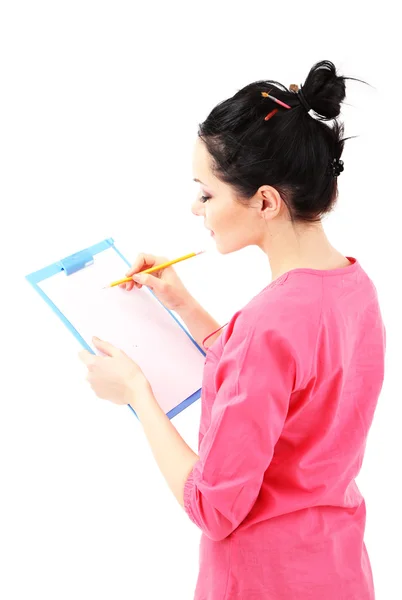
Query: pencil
156, 268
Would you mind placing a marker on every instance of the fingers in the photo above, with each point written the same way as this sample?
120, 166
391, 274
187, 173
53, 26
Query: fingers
128, 285
87, 358
142, 262
152, 282
104, 347
147, 280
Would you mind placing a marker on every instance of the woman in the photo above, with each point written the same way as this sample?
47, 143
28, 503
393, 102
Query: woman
291, 384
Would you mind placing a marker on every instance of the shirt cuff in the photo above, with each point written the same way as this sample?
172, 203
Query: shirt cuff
188, 494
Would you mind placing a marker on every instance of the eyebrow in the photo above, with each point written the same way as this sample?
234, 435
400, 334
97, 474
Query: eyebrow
198, 181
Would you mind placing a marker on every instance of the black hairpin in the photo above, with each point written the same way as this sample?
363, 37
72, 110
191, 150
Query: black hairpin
302, 99
336, 167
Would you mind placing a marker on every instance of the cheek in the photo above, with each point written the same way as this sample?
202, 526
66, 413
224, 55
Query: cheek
209, 213
235, 221
217, 213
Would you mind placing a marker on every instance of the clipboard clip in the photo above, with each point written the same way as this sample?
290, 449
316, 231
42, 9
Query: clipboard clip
76, 262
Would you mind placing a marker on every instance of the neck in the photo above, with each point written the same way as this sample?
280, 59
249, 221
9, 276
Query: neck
290, 246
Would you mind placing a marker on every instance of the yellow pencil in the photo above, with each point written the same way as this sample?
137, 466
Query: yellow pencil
155, 268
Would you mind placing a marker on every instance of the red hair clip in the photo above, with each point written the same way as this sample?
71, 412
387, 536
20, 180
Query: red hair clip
271, 114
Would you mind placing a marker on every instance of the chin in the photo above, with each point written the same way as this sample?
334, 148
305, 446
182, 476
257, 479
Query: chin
228, 249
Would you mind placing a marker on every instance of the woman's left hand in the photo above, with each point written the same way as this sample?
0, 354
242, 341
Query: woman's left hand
114, 377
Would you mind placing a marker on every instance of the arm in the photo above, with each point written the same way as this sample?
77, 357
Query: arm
255, 378
219, 487
198, 321
174, 457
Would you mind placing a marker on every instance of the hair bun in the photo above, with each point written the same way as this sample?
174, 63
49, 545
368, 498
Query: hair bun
324, 90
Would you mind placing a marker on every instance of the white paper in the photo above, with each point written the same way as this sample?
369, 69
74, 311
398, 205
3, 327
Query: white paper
136, 322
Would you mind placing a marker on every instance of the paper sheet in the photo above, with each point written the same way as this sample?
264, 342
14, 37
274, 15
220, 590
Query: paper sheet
136, 322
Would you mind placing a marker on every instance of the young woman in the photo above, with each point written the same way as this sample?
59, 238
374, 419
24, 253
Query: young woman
291, 384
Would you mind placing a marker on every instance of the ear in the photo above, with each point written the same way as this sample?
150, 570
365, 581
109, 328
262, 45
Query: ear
270, 202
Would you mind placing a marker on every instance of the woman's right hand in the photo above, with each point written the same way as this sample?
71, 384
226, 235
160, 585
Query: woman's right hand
165, 284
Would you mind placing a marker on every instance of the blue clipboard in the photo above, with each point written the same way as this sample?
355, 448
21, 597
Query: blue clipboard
81, 260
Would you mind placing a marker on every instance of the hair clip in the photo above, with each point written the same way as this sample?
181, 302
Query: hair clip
336, 167
271, 114
268, 95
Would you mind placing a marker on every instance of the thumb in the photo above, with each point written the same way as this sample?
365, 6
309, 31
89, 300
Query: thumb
148, 280
104, 347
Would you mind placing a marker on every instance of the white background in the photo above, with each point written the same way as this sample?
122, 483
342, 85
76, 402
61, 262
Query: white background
99, 107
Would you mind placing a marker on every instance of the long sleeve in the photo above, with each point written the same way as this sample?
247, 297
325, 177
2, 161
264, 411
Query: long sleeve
254, 381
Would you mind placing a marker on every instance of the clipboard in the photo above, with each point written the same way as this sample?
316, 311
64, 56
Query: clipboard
136, 322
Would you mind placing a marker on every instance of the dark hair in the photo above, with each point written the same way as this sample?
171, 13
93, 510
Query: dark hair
291, 151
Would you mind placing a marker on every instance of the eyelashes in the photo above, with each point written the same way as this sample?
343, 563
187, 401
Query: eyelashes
204, 199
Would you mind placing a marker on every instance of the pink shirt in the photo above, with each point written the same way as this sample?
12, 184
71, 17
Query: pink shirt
288, 397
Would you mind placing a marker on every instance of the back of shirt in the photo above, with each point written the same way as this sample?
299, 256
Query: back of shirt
338, 337
309, 504
289, 394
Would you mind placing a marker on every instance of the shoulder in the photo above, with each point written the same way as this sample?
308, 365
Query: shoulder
282, 320
289, 307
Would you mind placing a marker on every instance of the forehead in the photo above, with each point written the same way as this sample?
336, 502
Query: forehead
201, 159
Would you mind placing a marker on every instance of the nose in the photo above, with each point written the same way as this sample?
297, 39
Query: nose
197, 208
